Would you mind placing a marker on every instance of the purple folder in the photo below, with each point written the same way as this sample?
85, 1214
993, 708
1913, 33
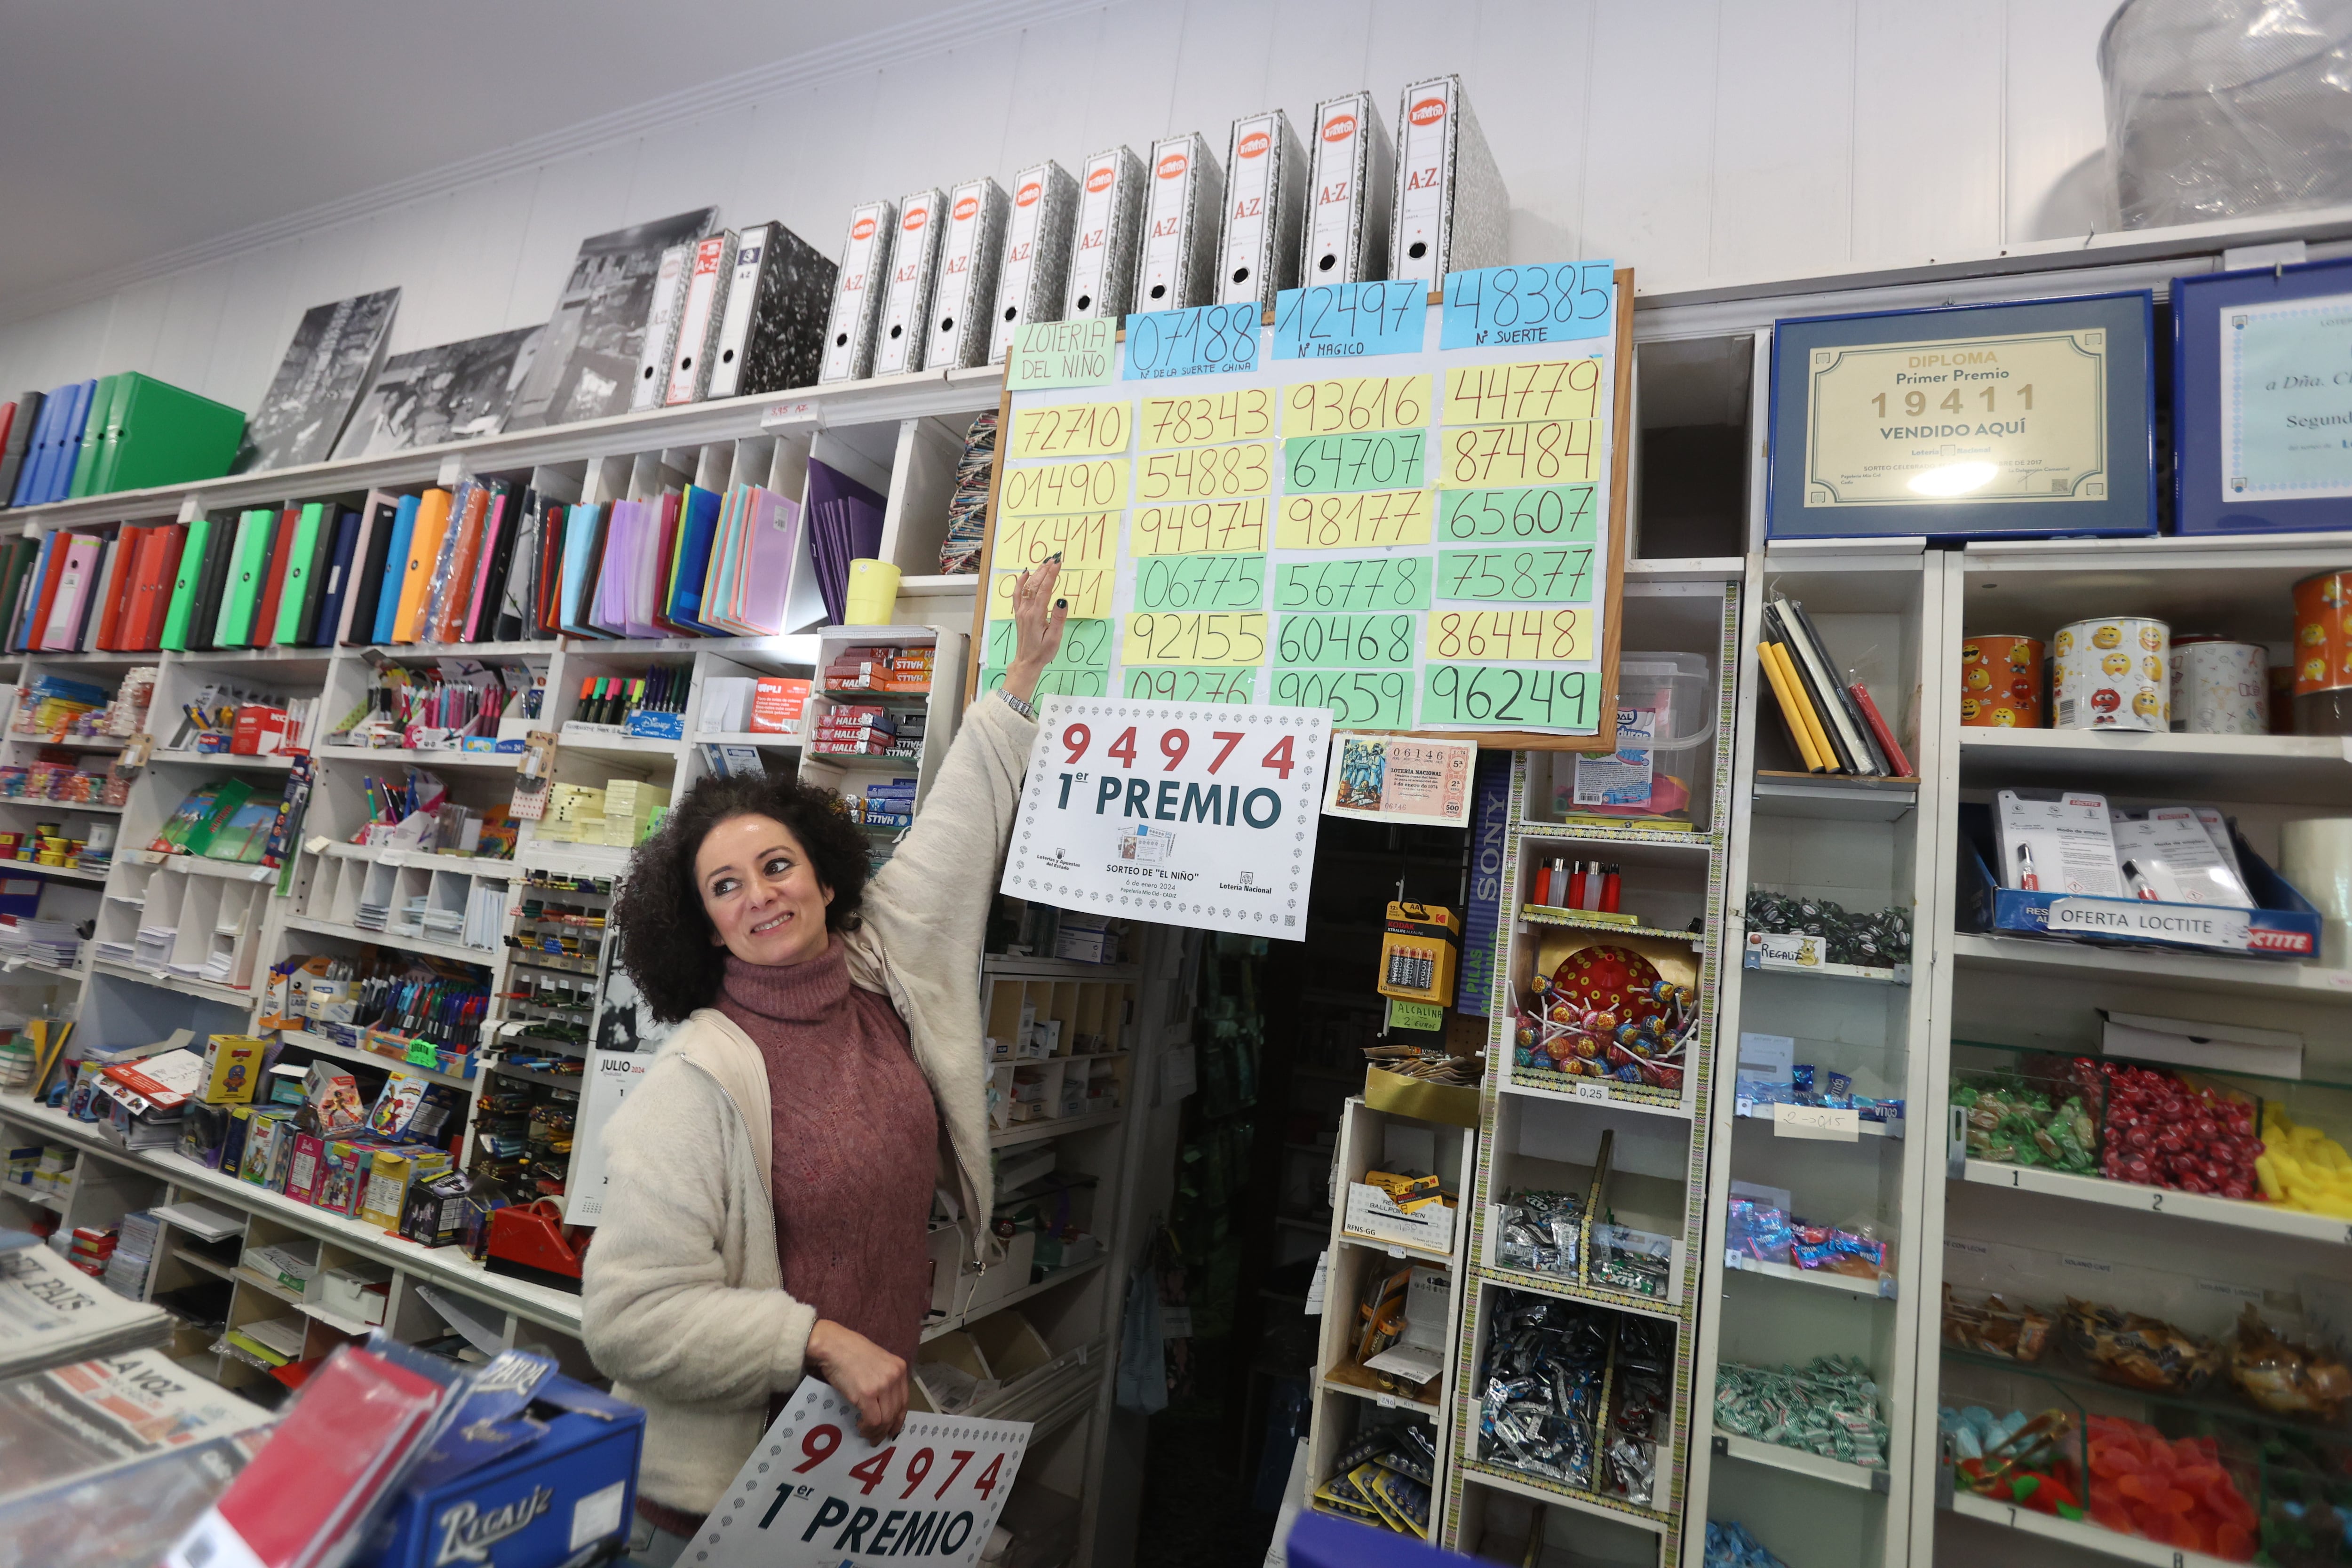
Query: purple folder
845, 524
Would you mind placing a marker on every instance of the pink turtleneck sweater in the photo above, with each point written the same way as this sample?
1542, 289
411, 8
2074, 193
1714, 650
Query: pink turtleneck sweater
857, 1144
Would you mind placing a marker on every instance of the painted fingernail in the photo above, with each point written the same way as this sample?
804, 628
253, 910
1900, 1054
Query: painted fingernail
1050, 559
1061, 604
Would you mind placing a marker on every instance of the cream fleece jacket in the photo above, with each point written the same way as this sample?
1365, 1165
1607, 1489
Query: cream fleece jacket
682, 1305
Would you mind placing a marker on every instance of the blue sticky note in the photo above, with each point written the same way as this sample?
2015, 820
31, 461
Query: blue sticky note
1350, 321
1207, 339
1557, 303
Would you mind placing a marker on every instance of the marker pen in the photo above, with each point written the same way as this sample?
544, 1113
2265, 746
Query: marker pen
2026, 880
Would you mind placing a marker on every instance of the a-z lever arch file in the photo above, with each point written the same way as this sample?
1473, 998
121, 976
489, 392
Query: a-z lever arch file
1036, 264
1451, 213
1257, 242
858, 290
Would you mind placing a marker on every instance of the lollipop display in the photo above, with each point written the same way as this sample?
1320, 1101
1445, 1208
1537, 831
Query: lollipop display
1605, 1012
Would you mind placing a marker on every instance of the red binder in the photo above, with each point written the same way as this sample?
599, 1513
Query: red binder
265, 618
450, 626
480, 611
158, 571
28, 635
114, 588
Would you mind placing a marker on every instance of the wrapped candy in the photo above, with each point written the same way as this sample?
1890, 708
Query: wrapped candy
1878, 941
2161, 1131
1632, 1261
2138, 1351
1994, 1326
2284, 1377
1541, 1232
1829, 1406
2012, 1123
1730, 1546
1540, 1388
2015, 1457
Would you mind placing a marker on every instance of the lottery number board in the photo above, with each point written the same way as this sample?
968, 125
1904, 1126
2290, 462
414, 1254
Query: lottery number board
1400, 507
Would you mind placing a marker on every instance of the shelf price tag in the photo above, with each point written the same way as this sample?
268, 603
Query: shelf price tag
1818, 1121
1404, 1015
1592, 1091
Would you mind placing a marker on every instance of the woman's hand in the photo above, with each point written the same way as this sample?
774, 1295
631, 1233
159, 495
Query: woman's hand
863, 1373
1037, 621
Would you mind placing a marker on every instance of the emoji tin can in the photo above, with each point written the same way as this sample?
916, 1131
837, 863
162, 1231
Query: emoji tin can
2000, 683
2323, 655
2115, 673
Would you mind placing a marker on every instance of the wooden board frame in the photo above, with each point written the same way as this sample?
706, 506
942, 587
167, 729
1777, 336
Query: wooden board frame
1603, 738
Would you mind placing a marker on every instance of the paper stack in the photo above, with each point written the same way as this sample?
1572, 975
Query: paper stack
135, 1251
968, 506
51, 942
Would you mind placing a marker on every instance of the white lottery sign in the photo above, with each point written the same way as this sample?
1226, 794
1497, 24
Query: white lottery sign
814, 1494
1187, 813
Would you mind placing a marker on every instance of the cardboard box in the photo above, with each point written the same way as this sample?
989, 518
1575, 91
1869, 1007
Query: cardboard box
305, 1167
533, 1501
390, 1175
1370, 1212
231, 1068
1002, 1277
433, 1212
334, 1097
2214, 1048
777, 705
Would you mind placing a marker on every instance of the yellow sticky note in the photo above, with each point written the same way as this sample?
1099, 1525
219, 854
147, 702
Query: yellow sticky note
1198, 528
1071, 430
1204, 473
1087, 587
1084, 539
1344, 404
1544, 389
1099, 484
1206, 419
1547, 452
1511, 636
1234, 637
1353, 521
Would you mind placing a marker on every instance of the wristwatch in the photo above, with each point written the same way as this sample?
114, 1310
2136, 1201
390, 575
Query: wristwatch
1017, 705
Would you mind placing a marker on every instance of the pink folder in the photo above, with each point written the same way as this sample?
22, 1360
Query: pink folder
74, 584
773, 531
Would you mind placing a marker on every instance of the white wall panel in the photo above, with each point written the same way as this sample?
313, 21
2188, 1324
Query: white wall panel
184, 350
1783, 200
1926, 185
1650, 140
1699, 141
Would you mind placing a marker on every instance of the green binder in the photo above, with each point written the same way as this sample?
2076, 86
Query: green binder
248, 572
93, 436
169, 436
110, 441
297, 571
185, 583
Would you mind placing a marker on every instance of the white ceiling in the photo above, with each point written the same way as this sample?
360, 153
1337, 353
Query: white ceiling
129, 129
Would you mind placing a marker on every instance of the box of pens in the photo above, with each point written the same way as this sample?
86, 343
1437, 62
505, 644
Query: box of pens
2073, 868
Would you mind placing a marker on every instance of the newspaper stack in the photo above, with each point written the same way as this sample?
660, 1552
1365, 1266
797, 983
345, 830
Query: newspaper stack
134, 1249
105, 1458
50, 1313
968, 508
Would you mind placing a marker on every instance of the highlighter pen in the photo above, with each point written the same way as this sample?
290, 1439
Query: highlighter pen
587, 712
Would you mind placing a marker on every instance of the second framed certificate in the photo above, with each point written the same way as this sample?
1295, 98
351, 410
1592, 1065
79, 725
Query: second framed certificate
1966, 421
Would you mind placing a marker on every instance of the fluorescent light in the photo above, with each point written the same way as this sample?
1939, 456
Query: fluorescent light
1955, 479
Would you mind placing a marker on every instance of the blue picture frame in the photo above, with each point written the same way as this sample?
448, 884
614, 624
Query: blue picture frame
2128, 506
2199, 502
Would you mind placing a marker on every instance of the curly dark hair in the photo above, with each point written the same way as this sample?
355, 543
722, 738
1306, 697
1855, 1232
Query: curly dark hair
665, 935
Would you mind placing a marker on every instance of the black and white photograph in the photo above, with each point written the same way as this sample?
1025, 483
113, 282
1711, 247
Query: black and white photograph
452, 392
334, 353
589, 357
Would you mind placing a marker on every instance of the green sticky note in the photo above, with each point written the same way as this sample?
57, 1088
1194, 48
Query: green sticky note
1358, 698
1519, 514
1054, 681
422, 1054
1509, 697
1086, 645
1200, 582
1345, 642
1233, 684
1062, 353
1404, 1015
1562, 575
1376, 460
1353, 583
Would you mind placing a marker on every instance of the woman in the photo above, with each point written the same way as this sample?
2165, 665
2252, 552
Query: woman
769, 1181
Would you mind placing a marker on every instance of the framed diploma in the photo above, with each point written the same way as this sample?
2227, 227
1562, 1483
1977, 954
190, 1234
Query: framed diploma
1966, 421
2262, 400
